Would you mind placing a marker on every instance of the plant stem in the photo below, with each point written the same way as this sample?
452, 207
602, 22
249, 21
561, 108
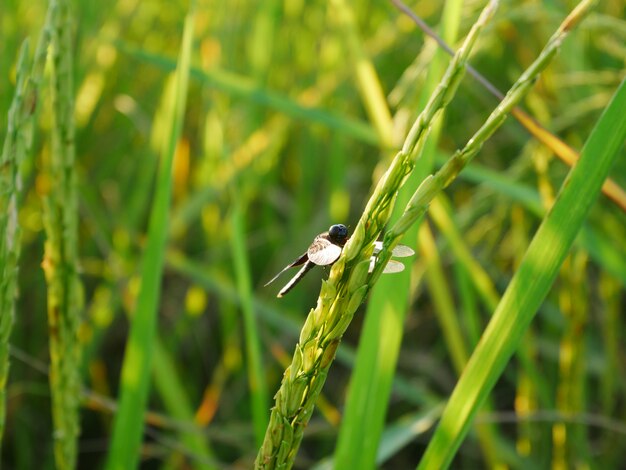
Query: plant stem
16, 148
346, 287
434, 184
13, 152
60, 264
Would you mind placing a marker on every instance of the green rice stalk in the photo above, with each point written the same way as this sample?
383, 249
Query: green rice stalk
13, 152
16, 148
434, 184
60, 263
371, 382
567, 154
346, 287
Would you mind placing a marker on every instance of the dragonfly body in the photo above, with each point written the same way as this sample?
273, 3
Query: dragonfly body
326, 249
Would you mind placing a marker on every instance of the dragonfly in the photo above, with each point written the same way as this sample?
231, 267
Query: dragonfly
325, 250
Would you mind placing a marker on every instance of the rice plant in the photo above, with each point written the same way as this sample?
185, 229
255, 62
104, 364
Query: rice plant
162, 160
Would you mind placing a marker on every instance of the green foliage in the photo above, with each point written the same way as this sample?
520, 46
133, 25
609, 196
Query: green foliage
173, 216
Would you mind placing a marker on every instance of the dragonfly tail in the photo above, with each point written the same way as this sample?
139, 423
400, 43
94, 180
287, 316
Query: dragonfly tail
294, 280
297, 262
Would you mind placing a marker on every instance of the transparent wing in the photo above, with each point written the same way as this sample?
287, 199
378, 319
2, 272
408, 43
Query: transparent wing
322, 252
392, 266
400, 251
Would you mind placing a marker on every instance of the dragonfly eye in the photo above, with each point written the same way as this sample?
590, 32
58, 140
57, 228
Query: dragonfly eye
338, 232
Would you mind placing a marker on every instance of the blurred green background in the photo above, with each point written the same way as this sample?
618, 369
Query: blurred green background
277, 145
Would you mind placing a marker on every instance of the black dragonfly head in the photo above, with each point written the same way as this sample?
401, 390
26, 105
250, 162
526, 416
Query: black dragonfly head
338, 234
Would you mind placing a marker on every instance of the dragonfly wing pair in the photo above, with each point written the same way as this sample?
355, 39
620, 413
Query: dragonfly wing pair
393, 266
400, 251
323, 252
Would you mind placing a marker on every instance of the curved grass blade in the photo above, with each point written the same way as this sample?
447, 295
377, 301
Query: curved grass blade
531, 283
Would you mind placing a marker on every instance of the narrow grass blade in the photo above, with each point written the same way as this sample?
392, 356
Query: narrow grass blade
531, 283
256, 375
135, 380
367, 80
176, 402
243, 87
